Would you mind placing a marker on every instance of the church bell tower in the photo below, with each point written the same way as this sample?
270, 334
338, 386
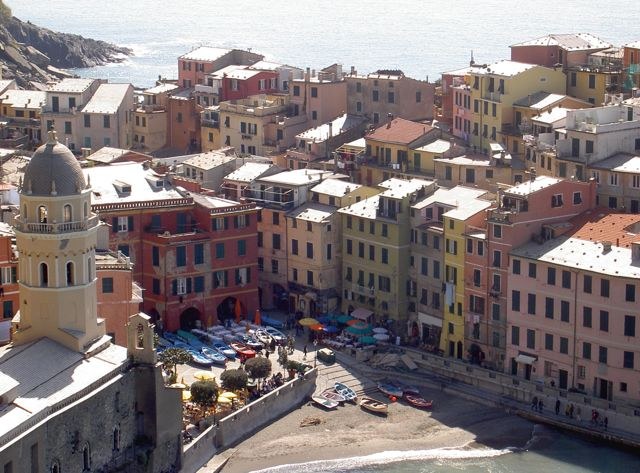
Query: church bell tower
56, 238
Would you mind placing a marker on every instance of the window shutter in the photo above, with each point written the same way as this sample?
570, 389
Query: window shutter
248, 275
235, 221
188, 285
130, 223
226, 223
174, 287
114, 225
247, 220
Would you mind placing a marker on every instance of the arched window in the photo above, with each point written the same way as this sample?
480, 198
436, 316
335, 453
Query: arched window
24, 212
44, 275
86, 457
140, 337
89, 270
68, 213
85, 212
55, 467
70, 274
42, 214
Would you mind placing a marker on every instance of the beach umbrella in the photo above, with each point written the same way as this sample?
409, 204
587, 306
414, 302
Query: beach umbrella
228, 395
382, 337
224, 400
343, 319
368, 340
258, 318
331, 329
238, 310
186, 395
358, 330
324, 320
358, 324
308, 321
380, 330
316, 327
178, 385
203, 375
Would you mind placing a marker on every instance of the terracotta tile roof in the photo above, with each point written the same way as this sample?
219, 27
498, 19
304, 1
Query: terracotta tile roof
400, 131
603, 224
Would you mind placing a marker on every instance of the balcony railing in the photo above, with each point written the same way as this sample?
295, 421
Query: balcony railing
64, 227
492, 96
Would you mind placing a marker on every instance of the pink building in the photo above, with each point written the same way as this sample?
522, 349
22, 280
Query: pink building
566, 50
462, 115
573, 307
195, 65
531, 211
241, 83
450, 81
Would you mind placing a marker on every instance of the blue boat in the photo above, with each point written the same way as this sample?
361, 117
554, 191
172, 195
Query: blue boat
270, 321
225, 349
214, 355
199, 358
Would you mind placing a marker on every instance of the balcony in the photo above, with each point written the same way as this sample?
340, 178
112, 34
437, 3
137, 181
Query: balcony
53, 228
210, 123
205, 89
492, 96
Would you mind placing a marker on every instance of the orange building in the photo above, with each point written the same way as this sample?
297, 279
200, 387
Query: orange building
8, 280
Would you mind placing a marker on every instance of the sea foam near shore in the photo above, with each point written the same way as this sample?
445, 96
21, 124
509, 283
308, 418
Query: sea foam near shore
365, 463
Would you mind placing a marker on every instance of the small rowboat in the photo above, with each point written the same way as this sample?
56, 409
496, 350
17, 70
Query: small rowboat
225, 349
199, 358
214, 355
419, 402
346, 392
406, 388
324, 402
372, 405
242, 350
390, 389
332, 395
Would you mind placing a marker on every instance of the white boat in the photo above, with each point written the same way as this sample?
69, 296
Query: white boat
346, 392
324, 402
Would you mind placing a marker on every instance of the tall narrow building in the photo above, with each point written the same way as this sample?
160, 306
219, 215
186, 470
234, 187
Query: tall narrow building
56, 238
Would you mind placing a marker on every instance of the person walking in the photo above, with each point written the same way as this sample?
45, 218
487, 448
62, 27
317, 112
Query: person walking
540, 405
304, 350
557, 406
534, 403
606, 423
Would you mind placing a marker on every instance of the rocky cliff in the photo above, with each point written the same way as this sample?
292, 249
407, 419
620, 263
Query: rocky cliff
30, 53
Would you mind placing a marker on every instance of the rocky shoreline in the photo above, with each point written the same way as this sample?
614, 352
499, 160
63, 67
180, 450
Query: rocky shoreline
29, 53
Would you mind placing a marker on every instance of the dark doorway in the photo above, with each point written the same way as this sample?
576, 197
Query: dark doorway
188, 318
225, 309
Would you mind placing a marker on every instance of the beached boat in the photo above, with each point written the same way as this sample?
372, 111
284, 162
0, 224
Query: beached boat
332, 395
373, 405
199, 358
390, 389
346, 392
324, 402
263, 337
243, 351
225, 349
277, 335
418, 401
214, 355
249, 341
406, 388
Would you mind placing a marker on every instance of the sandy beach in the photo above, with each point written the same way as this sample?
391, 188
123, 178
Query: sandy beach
349, 431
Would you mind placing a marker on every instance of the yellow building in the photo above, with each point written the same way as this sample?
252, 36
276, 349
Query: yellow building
376, 236
210, 128
495, 88
456, 222
477, 170
389, 150
21, 112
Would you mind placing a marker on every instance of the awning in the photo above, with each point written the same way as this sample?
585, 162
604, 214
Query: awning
525, 359
429, 319
362, 314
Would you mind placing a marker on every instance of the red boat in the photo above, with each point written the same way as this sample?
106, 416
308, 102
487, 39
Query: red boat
419, 402
243, 351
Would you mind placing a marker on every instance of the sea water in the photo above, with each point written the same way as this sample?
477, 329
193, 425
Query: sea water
548, 451
423, 38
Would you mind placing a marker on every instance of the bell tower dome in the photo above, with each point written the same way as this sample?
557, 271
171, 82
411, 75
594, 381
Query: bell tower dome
56, 239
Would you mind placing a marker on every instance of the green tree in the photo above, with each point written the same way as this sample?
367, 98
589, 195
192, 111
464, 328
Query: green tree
234, 380
171, 358
204, 394
283, 359
258, 368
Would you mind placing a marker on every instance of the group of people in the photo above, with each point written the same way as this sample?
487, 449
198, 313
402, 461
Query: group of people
537, 404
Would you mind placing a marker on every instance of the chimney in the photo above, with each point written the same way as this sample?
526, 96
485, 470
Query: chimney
353, 70
606, 247
307, 76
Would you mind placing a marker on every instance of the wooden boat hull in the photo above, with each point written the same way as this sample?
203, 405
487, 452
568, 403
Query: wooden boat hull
374, 406
243, 351
418, 402
324, 402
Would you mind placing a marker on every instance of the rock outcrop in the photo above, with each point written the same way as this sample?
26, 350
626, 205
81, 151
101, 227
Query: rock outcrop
29, 53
